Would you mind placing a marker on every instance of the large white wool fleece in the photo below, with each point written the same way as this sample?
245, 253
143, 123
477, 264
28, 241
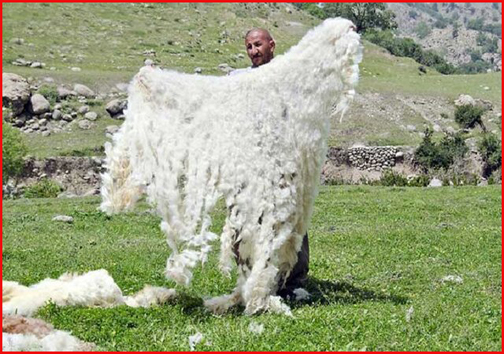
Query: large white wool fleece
92, 289
257, 139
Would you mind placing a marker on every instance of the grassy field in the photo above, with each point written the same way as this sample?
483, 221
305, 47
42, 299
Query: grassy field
376, 255
107, 42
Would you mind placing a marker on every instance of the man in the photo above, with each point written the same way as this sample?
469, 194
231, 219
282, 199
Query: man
260, 49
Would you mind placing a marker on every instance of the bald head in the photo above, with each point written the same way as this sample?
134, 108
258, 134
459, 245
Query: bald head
260, 46
260, 31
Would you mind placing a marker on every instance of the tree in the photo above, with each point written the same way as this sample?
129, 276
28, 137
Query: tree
365, 16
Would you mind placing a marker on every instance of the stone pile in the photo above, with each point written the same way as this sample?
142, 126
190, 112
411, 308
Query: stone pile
32, 112
375, 158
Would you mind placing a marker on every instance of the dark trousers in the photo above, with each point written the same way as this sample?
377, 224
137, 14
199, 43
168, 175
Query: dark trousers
299, 274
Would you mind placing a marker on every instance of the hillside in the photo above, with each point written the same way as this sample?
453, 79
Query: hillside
103, 45
452, 30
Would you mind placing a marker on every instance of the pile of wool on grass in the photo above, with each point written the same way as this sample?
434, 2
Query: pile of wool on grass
93, 289
257, 139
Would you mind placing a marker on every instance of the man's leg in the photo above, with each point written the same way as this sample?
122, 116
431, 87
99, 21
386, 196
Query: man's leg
299, 275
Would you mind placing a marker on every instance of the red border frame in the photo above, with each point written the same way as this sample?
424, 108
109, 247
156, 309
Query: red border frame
397, 1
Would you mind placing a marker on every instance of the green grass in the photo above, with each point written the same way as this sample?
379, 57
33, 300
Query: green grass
375, 253
107, 42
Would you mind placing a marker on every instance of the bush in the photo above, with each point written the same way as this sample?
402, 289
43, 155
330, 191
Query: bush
45, 188
422, 30
441, 155
419, 181
490, 150
50, 92
467, 116
476, 24
496, 177
390, 178
13, 151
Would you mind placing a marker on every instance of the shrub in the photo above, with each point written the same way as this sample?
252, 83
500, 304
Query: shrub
467, 116
13, 151
422, 30
419, 181
476, 24
413, 14
441, 155
441, 23
496, 177
50, 92
490, 150
390, 178
45, 188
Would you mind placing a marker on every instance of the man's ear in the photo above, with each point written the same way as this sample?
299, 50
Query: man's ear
272, 45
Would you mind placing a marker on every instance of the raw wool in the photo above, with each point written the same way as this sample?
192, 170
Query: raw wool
256, 328
194, 340
93, 289
257, 139
452, 279
409, 313
55, 341
31, 334
301, 294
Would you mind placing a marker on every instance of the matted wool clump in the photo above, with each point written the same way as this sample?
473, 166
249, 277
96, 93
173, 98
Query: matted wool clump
257, 139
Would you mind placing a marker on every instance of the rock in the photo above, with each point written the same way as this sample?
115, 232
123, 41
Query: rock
19, 122
21, 62
435, 183
18, 41
91, 192
57, 115
83, 90
122, 86
225, 68
15, 92
483, 183
67, 194
46, 133
67, 117
149, 62
43, 122
39, 104
485, 104
58, 106
64, 92
63, 218
83, 109
115, 107
76, 69
411, 128
36, 65
91, 116
111, 129
85, 124
198, 70
465, 100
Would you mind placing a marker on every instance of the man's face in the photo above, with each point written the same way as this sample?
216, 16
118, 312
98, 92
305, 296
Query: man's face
260, 47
